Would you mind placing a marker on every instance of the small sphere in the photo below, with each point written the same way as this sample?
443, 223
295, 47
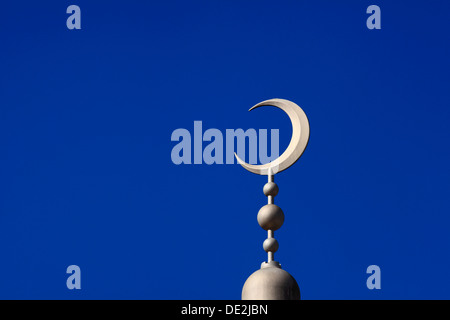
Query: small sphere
270, 217
270, 189
270, 244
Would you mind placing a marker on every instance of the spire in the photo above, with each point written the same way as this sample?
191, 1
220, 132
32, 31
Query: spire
270, 218
271, 282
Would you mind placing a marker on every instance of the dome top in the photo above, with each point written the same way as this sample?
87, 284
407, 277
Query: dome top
270, 283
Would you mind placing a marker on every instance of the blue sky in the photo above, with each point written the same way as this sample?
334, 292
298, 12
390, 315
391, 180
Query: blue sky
86, 176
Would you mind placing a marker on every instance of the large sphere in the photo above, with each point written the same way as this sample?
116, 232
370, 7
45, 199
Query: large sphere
270, 217
270, 283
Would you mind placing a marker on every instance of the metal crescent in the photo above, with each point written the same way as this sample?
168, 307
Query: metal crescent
299, 140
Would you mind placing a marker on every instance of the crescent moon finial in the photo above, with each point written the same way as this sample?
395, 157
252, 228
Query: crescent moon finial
299, 140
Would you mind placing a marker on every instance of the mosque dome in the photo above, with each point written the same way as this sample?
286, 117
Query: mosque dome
270, 283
